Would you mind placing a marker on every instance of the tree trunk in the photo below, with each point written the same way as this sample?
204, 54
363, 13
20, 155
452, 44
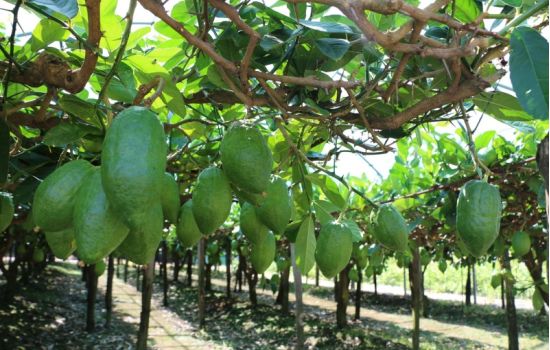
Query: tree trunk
542, 162
125, 270
177, 267
117, 267
228, 267
202, 293
208, 278
91, 284
535, 270
284, 288
342, 297
252, 277
138, 274
146, 294
164, 274
299, 303
11, 285
474, 284
316, 275
513, 336
109, 292
189, 267
358, 294
416, 296
375, 283
240, 270
468, 287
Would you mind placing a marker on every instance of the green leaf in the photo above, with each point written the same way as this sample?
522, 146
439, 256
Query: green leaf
466, 11
356, 233
529, 71
326, 27
484, 139
305, 246
47, 32
68, 8
324, 210
501, 106
63, 134
329, 189
4, 150
513, 3
333, 48
79, 108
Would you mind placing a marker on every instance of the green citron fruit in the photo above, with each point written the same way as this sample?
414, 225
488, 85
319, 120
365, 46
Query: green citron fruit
62, 243
170, 198
133, 162
55, 197
38, 255
98, 228
263, 254
187, 230
521, 243
478, 213
389, 228
212, 200
99, 268
141, 244
251, 225
275, 210
246, 158
6, 210
334, 248
243, 196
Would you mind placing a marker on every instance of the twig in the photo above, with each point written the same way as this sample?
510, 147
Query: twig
120, 53
361, 111
44, 104
144, 89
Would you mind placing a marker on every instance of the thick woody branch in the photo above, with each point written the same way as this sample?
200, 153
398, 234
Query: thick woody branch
55, 72
157, 8
465, 90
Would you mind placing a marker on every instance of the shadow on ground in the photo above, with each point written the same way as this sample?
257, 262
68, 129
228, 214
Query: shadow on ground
50, 313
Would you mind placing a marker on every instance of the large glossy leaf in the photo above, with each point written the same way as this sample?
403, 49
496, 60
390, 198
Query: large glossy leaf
305, 246
324, 211
68, 8
333, 48
47, 32
529, 70
79, 108
356, 233
466, 11
63, 134
501, 106
327, 27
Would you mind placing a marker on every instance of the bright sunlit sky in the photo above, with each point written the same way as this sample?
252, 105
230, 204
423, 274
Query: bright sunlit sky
347, 163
